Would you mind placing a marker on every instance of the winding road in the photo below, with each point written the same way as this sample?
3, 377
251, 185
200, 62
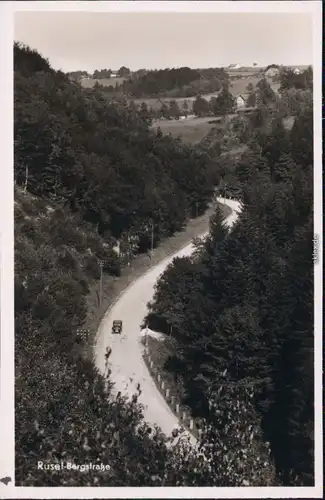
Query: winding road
125, 362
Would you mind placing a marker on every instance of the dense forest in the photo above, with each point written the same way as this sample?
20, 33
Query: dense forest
244, 304
169, 82
88, 173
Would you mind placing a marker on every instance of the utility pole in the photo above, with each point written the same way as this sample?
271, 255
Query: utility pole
101, 282
152, 236
197, 209
101, 265
146, 337
128, 247
26, 178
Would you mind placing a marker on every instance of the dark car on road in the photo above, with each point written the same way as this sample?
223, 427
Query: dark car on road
117, 326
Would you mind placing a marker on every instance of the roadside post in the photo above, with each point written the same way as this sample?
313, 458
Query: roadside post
101, 265
152, 237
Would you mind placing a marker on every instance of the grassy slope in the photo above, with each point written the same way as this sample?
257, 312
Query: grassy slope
191, 130
106, 82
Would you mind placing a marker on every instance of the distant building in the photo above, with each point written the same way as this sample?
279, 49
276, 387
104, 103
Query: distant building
296, 71
117, 248
240, 101
114, 74
234, 66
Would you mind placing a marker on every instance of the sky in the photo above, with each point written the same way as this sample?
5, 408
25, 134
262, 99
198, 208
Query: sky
96, 40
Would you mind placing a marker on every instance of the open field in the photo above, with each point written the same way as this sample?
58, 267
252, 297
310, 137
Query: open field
191, 130
240, 86
155, 103
250, 72
90, 82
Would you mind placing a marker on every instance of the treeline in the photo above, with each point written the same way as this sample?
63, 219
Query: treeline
290, 79
162, 80
85, 172
98, 74
176, 109
77, 75
123, 72
174, 82
242, 308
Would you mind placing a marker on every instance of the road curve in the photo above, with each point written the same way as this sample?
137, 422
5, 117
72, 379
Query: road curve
126, 362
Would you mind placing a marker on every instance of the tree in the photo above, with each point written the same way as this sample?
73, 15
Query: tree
165, 310
290, 78
164, 111
232, 441
276, 143
200, 106
124, 71
302, 138
174, 111
224, 103
231, 450
103, 73
185, 108
264, 95
251, 99
144, 112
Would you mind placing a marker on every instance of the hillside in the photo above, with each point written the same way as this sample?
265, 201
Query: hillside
88, 175
240, 315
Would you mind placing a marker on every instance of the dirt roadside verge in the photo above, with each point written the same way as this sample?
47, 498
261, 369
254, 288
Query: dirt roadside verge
113, 287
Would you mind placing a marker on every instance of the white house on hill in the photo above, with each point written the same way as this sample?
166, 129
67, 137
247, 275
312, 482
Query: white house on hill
234, 66
240, 101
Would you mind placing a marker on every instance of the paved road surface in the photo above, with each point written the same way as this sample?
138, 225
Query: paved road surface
126, 363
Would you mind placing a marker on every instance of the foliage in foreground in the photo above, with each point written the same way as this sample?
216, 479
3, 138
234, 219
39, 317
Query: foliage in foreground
65, 414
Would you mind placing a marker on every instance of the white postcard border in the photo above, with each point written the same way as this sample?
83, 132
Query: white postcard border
7, 267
